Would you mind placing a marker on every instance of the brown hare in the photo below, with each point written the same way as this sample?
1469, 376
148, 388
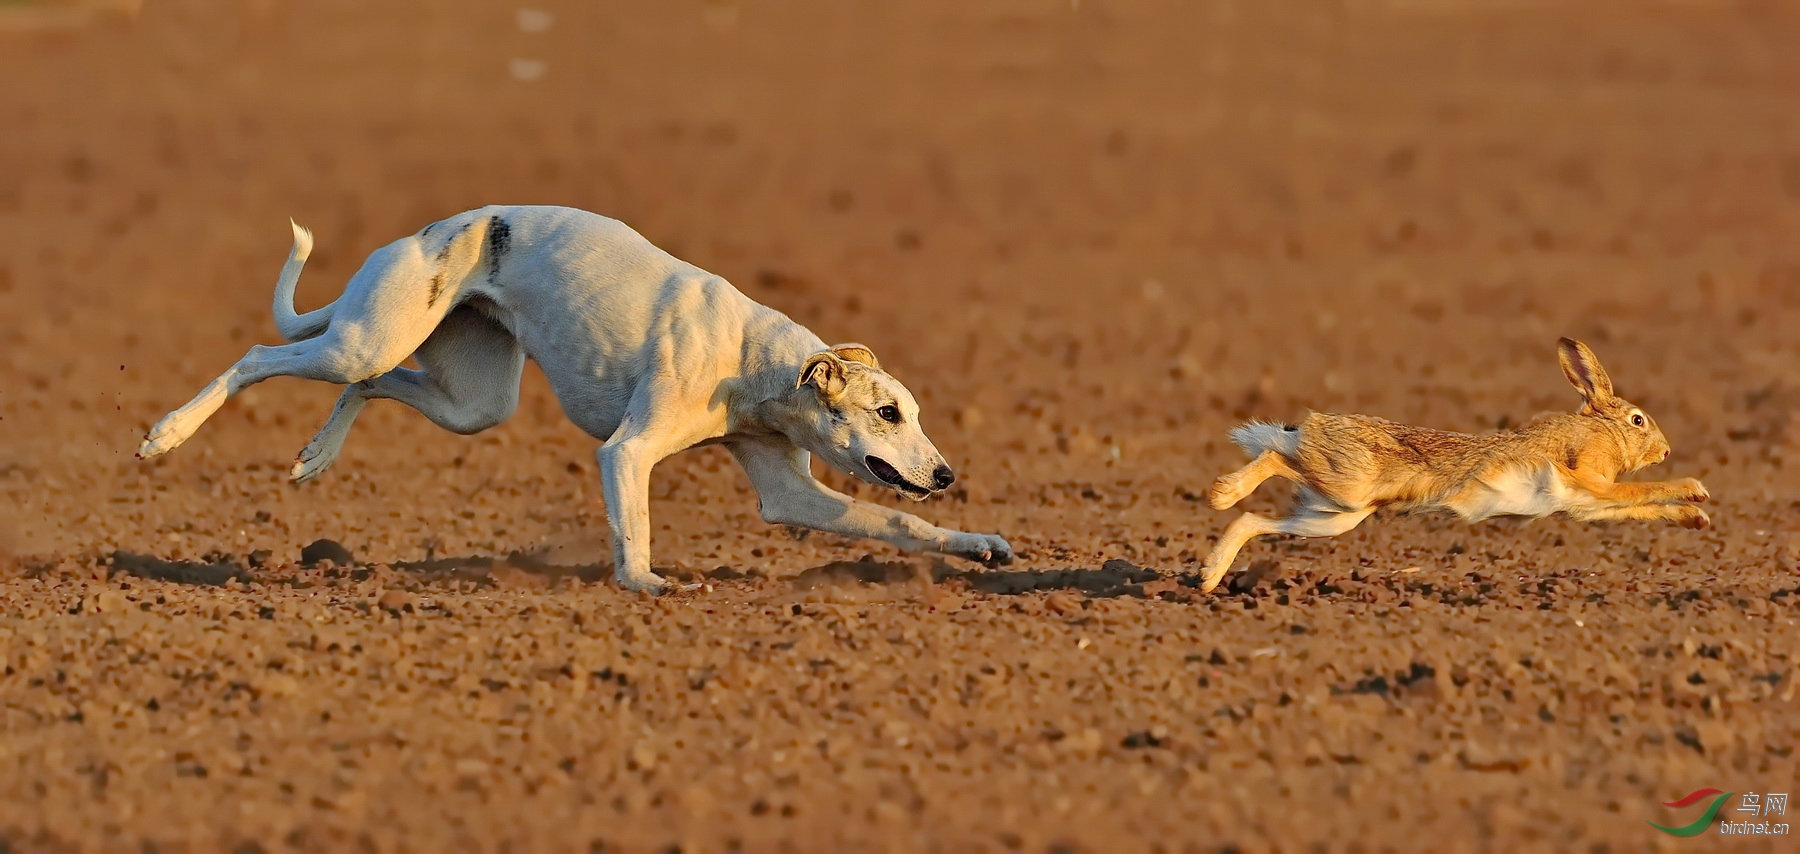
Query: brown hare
1345, 467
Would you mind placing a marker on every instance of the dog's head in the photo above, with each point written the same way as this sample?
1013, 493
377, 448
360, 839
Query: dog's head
864, 422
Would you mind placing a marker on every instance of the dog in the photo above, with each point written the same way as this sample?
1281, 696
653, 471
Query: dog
1346, 467
649, 354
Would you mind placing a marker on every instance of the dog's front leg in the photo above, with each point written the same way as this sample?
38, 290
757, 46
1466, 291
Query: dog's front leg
790, 495
625, 480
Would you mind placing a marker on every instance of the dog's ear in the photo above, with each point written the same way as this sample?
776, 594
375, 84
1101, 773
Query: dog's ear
857, 353
824, 371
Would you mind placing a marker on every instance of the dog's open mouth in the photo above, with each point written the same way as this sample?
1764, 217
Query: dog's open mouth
892, 477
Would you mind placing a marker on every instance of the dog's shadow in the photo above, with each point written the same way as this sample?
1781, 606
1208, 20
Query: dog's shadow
211, 572
1114, 578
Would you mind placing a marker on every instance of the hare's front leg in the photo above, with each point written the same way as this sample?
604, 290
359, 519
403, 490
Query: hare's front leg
1687, 515
1684, 491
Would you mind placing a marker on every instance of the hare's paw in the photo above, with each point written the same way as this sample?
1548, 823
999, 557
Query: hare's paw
1211, 576
1225, 492
1692, 517
1696, 491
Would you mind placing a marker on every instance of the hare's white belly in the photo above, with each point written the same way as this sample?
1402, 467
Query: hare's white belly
1520, 491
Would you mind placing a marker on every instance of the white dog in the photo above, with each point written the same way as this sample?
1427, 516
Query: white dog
647, 353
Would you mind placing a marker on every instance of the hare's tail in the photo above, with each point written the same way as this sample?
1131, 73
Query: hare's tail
1257, 437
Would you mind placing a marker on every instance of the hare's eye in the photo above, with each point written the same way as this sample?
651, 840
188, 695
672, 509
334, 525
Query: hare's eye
1637, 419
889, 413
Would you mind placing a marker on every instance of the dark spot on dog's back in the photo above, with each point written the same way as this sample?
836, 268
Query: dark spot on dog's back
443, 259
443, 255
1574, 460
499, 242
427, 231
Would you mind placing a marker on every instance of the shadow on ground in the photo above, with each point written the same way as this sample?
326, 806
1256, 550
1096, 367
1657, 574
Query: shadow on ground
1113, 579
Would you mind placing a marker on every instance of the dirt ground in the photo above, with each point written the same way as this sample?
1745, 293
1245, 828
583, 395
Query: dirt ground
1091, 236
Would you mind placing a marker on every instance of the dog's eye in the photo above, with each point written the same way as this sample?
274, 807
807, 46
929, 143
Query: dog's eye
889, 413
1637, 419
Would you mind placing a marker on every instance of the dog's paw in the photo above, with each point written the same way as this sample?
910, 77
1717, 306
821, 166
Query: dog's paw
166, 436
1693, 517
310, 463
646, 582
985, 549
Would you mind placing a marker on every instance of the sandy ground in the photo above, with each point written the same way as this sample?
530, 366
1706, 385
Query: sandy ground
1091, 237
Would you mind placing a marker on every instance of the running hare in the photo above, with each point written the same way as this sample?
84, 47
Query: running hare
1348, 466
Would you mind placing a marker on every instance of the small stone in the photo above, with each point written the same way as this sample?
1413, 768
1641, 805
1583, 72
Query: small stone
642, 757
397, 601
319, 551
471, 767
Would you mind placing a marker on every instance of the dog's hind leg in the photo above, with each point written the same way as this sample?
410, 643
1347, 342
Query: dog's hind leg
469, 382
318, 359
1238, 485
789, 495
386, 312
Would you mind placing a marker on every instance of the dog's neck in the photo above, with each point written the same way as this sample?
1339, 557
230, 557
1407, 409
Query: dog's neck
761, 408
765, 400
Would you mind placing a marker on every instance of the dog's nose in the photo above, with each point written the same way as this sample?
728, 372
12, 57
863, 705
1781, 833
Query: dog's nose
943, 477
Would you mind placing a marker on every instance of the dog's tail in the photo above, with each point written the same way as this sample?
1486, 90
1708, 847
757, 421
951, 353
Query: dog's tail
1259, 436
297, 327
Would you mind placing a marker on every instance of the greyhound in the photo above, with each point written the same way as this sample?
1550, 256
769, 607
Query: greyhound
647, 353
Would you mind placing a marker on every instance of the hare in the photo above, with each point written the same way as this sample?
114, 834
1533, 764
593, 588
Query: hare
1346, 467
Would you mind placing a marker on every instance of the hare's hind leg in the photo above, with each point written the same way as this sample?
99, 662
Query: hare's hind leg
1242, 530
1238, 485
1308, 520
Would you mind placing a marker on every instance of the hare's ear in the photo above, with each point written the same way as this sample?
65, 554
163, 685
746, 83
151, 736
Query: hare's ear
824, 371
1583, 369
856, 353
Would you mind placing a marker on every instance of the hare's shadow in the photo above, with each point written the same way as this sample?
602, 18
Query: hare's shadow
1112, 579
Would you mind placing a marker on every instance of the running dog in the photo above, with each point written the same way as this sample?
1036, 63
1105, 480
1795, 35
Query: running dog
647, 353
